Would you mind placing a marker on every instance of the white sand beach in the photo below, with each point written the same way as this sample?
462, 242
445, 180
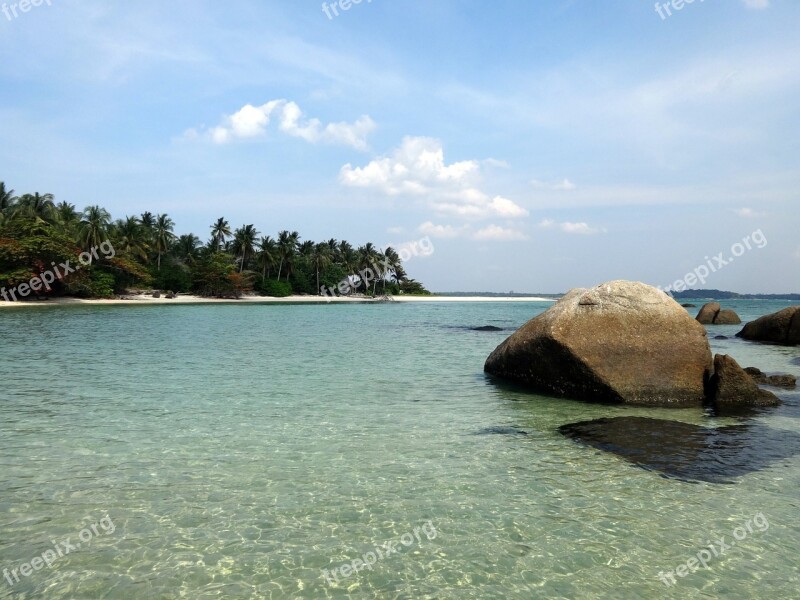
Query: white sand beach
141, 299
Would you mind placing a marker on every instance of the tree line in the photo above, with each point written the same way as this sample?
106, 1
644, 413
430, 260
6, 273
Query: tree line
36, 231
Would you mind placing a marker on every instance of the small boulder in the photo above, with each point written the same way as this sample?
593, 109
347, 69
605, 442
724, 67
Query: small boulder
708, 313
713, 314
726, 316
156, 294
732, 386
622, 342
782, 327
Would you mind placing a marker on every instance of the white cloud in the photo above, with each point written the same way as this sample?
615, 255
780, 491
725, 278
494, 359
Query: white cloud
561, 186
496, 163
748, 213
395, 230
495, 232
756, 4
440, 231
418, 169
580, 228
252, 122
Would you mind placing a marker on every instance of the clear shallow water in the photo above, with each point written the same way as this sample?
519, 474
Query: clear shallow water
240, 450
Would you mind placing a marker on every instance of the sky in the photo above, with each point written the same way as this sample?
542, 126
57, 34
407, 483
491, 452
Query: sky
527, 146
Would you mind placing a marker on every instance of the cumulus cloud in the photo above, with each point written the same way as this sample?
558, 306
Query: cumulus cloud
560, 186
748, 213
439, 231
417, 168
580, 228
253, 122
495, 232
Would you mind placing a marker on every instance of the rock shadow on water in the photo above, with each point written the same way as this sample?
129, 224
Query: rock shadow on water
489, 328
687, 452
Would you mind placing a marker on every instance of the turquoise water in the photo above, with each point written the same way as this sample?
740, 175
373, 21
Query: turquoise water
241, 450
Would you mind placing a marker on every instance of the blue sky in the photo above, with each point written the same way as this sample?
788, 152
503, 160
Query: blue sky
540, 145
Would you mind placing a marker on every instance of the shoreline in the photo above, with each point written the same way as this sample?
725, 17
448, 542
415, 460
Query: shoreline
142, 300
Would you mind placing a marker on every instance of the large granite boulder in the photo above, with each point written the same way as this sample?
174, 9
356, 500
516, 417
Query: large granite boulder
782, 327
621, 341
732, 386
713, 314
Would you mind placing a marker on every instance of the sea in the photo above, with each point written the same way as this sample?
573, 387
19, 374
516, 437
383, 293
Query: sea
359, 451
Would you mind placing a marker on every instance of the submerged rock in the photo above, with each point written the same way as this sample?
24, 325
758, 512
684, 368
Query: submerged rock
782, 327
685, 451
688, 305
780, 380
500, 430
713, 314
732, 386
622, 342
487, 328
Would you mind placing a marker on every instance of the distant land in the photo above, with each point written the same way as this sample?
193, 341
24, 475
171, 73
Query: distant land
723, 295
497, 295
686, 295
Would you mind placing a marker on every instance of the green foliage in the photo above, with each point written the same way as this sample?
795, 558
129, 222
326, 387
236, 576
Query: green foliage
172, 276
35, 232
216, 276
414, 288
29, 247
276, 289
92, 284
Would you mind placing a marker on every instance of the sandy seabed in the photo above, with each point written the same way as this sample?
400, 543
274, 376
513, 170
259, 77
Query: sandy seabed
190, 299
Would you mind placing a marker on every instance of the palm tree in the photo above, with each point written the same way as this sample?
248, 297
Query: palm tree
187, 246
267, 254
391, 260
348, 258
367, 256
162, 236
68, 218
147, 220
7, 198
93, 227
321, 259
333, 248
287, 247
244, 241
306, 249
220, 231
130, 237
37, 206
